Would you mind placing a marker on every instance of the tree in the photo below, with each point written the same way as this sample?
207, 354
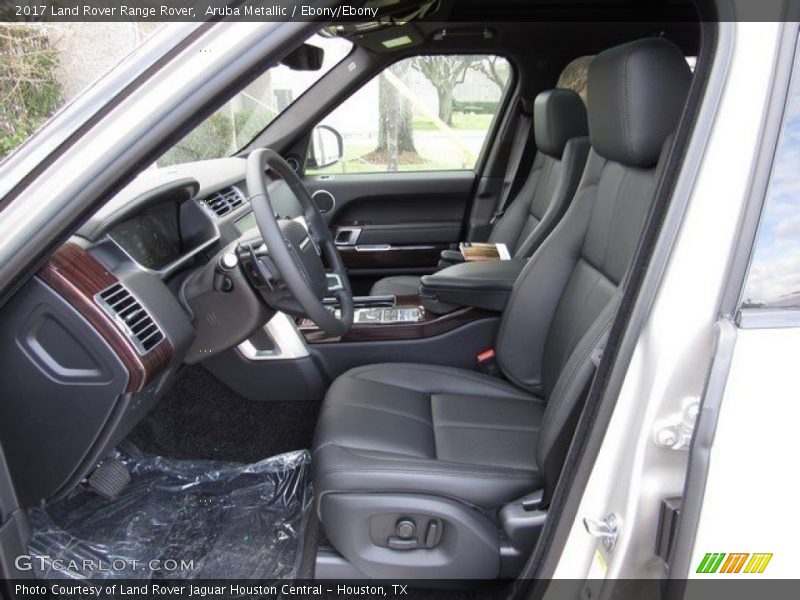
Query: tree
29, 92
395, 126
444, 73
495, 69
394, 112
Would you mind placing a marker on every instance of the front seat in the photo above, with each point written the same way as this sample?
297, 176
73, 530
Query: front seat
418, 467
560, 130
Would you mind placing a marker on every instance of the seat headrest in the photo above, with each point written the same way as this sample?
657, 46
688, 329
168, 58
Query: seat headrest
558, 116
636, 93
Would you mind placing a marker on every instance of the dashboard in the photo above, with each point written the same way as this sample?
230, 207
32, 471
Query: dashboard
97, 336
172, 219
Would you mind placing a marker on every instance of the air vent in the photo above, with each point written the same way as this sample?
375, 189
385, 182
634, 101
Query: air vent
131, 317
225, 201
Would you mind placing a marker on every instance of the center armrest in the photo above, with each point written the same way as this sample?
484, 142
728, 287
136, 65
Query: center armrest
482, 284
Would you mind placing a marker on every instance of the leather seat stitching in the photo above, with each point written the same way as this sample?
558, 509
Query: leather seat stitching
453, 466
483, 426
509, 392
523, 475
383, 410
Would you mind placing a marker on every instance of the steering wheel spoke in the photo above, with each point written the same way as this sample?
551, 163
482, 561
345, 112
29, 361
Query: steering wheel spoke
313, 236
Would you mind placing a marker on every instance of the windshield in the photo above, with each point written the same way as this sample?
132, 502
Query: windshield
44, 66
245, 115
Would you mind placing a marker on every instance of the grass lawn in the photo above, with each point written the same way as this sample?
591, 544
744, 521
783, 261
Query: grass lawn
460, 121
352, 162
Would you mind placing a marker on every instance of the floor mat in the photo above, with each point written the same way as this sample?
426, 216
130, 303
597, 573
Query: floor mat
181, 520
202, 418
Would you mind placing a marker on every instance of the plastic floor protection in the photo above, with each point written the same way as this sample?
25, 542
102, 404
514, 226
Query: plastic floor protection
180, 519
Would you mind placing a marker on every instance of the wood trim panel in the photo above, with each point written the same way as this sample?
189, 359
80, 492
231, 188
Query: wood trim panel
430, 326
77, 276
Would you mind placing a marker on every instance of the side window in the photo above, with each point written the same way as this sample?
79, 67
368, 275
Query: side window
773, 280
426, 113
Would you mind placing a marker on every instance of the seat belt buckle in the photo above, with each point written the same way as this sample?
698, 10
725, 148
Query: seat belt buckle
487, 363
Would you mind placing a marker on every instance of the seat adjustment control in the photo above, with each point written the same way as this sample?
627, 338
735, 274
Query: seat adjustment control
405, 535
406, 532
432, 536
397, 543
405, 529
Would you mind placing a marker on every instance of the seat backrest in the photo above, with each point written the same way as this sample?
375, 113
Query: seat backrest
560, 130
563, 301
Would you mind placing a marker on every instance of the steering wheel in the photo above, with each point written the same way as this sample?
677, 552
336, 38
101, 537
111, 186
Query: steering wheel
296, 246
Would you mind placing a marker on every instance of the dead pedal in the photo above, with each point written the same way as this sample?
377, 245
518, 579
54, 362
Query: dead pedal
109, 479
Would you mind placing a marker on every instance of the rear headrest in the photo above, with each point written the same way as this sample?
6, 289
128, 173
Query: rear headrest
636, 93
558, 116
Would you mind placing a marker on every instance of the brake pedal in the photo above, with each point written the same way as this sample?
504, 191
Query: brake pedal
109, 479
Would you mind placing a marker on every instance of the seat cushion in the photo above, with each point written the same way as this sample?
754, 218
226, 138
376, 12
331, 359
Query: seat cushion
399, 285
427, 429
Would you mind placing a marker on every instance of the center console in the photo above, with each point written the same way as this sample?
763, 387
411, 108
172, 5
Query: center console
380, 310
391, 318
450, 322
384, 316
447, 300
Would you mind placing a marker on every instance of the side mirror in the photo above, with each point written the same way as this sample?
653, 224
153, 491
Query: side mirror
327, 147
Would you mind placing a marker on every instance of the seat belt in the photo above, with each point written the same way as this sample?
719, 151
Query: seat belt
517, 157
582, 365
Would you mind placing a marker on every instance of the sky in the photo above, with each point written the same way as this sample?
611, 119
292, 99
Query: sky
775, 269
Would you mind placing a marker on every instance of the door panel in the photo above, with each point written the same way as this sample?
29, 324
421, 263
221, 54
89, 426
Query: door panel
399, 157
393, 223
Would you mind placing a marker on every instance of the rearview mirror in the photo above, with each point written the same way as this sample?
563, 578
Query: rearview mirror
326, 148
304, 58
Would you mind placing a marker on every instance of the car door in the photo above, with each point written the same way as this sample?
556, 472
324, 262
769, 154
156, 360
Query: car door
394, 166
754, 400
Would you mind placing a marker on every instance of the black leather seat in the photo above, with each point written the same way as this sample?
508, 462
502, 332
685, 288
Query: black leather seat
559, 129
449, 446
419, 427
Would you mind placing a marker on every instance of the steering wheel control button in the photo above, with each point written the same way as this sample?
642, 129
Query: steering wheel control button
228, 261
405, 529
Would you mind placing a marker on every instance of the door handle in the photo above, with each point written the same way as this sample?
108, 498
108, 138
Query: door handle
346, 236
